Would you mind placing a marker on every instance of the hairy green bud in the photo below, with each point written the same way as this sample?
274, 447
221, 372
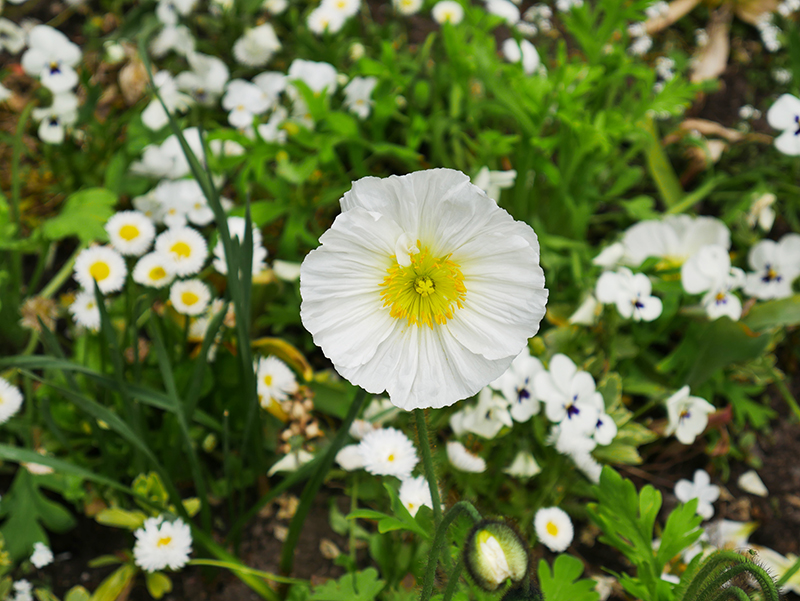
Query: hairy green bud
495, 552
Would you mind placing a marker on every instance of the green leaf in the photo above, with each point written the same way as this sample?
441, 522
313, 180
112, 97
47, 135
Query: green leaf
562, 583
84, 214
104, 560
121, 518
77, 593
367, 586
42, 594
158, 584
681, 530
721, 343
618, 452
774, 314
112, 587
401, 520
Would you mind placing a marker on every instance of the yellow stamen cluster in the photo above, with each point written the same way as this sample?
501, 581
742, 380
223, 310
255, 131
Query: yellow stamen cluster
425, 292
164, 541
99, 270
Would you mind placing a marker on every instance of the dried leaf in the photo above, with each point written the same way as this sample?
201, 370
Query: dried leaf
750, 11
713, 57
133, 80
677, 9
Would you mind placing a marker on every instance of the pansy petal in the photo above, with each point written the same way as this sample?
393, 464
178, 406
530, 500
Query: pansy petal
784, 113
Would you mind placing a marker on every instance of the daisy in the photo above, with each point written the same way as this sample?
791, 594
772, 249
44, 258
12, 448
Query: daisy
130, 232
448, 11
422, 287
414, 493
184, 248
101, 264
346, 8
554, 528
153, 271
688, 415
189, 297
10, 400
42, 555
702, 490
275, 381
388, 452
256, 46
775, 265
461, 459
630, 292
161, 544
84, 310
407, 7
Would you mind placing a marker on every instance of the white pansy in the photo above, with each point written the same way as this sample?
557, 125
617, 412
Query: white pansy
407, 7
184, 248
553, 528
42, 555
324, 19
605, 429
709, 270
516, 385
12, 36
167, 160
570, 396
784, 115
51, 57
153, 270
54, 119
206, 81
523, 466
523, 52
630, 293
169, 11
700, 489
587, 313
271, 131
461, 459
751, 483
448, 11
275, 7
10, 400
101, 264
256, 46
505, 9
154, 116
318, 76
84, 310
688, 415
414, 493
291, 462
611, 256
358, 95
161, 544
130, 232
388, 452
492, 182
485, 419
176, 38
775, 266
434, 326
189, 297
349, 458
275, 382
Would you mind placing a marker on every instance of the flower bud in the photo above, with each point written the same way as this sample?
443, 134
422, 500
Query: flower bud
493, 553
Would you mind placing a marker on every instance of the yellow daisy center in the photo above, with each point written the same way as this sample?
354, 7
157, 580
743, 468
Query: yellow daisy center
552, 529
341, 4
390, 458
164, 541
157, 273
189, 298
181, 249
129, 232
425, 292
268, 380
99, 270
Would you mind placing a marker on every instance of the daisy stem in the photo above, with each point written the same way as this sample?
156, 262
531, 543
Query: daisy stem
785, 392
427, 463
65, 272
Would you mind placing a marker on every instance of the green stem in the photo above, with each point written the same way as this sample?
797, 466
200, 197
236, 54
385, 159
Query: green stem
244, 570
788, 574
785, 392
427, 463
660, 168
452, 584
65, 272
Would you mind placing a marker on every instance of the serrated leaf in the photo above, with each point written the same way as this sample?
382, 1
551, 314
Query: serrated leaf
84, 214
562, 583
681, 530
158, 584
366, 583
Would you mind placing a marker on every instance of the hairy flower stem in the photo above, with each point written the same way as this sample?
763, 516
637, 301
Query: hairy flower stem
439, 541
427, 462
452, 584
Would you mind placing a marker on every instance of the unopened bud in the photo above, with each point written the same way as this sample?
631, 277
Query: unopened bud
494, 552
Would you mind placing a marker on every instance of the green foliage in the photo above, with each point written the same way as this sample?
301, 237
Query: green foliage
83, 215
401, 520
358, 586
563, 582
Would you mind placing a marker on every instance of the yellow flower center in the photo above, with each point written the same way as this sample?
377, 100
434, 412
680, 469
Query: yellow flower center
425, 292
341, 4
129, 232
189, 298
157, 273
390, 458
552, 529
99, 270
181, 249
268, 380
164, 541
720, 297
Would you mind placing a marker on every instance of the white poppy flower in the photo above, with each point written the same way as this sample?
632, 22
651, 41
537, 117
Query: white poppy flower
720, 301
423, 287
349, 458
775, 265
630, 293
84, 310
674, 238
702, 490
130, 232
523, 52
523, 466
785, 115
318, 76
516, 384
177, 38
407, 7
12, 36
153, 270
42, 555
190, 297
53, 120
492, 182
388, 452
256, 46
448, 11
51, 57
553, 528
461, 459
570, 396
10, 400
184, 248
414, 493
688, 415
161, 544
275, 381
504, 9
357, 95
206, 81
101, 264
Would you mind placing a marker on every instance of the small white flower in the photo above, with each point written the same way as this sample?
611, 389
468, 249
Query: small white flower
388, 452
463, 460
761, 212
709, 270
360, 428
587, 313
275, 381
640, 45
177, 38
12, 36
54, 119
256, 46
492, 182
161, 544
785, 115
605, 429
358, 95
750, 482
275, 7
189, 297
345, 8
291, 462
485, 419
84, 310
349, 458
702, 490
523, 52
154, 116
775, 266
23, 590
688, 415
407, 7
657, 9
318, 76
324, 19
570, 396
414, 493
184, 248
51, 57
169, 11
236, 227
153, 270
10, 400
782, 76
101, 264
206, 81
523, 466
516, 386
553, 528
448, 11
271, 130
42, 555
130, 232
504, 9
630, 293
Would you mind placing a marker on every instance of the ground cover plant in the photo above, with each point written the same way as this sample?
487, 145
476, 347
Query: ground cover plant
394, 300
